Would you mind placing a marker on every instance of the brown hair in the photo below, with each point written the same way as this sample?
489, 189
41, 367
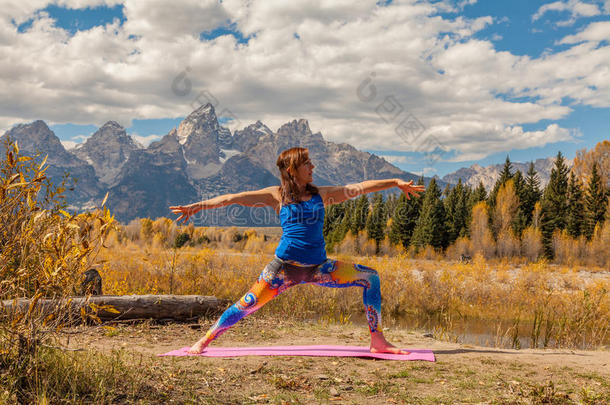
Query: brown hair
292, 158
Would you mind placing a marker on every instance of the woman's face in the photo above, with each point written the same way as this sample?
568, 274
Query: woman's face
304, 173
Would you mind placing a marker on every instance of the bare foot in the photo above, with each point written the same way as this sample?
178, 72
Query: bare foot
380, 345
198, 347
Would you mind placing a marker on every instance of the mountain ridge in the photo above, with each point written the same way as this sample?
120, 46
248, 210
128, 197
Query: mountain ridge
489, 174
197, 160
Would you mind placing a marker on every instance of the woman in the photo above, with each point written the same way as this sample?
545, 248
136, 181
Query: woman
301, 256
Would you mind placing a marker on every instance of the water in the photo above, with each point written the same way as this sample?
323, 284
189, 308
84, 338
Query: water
477, 332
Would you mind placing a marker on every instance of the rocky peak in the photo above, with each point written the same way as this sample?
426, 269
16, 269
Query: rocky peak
206, 110
111, 131
201, 138
111, 124
248, 137
38, 133
37, 137
169, 144
107, 150
261, 127
200, 123
300, 127
225, 139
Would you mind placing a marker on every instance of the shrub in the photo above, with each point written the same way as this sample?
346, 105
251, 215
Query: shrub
181, 240
43, 251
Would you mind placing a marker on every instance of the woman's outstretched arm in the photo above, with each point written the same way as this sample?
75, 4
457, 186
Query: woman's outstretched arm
338, 194
256, 198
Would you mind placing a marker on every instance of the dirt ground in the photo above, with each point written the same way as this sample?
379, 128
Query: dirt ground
461, 373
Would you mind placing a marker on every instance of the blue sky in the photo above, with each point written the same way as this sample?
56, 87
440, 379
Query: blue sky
73, 20
485, 78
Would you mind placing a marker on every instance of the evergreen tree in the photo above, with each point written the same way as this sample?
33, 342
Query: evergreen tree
361, 213
446, 191
531, 195
595, 202
507, 171
332, 219
450, 205
505, 175
332, 216
347, 219
376, 221
520, 220
464, 209
341, 225
456, 212
554, 204
404, 219
576, 215
430, 228
479, 194
390, 204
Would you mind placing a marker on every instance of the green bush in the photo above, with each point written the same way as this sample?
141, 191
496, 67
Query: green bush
181, 240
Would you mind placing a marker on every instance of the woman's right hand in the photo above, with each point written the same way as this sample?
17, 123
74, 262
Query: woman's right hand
185, 211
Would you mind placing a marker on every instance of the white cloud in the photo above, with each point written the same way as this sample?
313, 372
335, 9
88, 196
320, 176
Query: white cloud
594, 32
81, 138
168, 21
465, 3
69, 144
395, 158
504, 139
107, 74
78, 4
575, 8
145, 140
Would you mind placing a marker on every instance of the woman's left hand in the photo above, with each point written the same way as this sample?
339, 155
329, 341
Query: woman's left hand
407, 187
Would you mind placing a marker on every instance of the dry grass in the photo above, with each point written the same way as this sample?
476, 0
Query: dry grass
548, 305
461, 374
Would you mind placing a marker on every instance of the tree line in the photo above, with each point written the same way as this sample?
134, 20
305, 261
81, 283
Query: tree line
516, 218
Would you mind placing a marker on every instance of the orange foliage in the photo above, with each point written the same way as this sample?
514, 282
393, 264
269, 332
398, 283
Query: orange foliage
583, 163
505, 209
480, 235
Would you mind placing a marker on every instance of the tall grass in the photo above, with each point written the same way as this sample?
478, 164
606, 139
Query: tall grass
82, 377
551, 305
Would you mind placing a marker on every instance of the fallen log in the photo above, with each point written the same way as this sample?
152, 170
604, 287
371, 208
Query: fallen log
123, 307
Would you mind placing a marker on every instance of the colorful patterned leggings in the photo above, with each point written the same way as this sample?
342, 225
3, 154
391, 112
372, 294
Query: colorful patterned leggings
279, 275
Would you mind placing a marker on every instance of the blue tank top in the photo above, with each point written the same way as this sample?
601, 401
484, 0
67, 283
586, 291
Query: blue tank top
302, 238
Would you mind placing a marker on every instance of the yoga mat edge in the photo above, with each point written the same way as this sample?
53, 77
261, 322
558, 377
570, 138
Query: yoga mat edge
317, 350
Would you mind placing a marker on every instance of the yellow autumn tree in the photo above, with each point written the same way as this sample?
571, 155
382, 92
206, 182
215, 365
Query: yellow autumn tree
531, 243
537, 214
598, 253
507, 203
481, 238
584, 160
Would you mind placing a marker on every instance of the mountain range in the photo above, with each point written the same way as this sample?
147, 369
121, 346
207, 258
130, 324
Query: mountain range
202, 159
488, 175
198, 160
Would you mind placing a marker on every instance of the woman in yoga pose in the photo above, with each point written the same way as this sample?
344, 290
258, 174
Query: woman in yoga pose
301, 255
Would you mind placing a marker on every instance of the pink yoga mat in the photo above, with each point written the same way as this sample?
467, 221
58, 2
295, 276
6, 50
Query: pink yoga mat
319, 350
